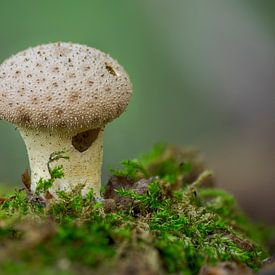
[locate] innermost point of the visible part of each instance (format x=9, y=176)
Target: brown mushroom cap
x=63, y=85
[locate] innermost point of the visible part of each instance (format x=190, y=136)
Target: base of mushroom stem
x=82, y=188
x=82, y=165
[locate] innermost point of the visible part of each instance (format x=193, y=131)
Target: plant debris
x=226, y=268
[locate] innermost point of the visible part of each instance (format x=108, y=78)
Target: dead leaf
x=48, y=195
x=3, y=200
x=26, y=180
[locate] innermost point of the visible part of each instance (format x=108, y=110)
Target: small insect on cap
x=63, y=85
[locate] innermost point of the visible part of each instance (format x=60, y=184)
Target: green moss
x=56, y=173
x=177, y=223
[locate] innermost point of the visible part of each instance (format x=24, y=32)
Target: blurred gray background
x=203, y=75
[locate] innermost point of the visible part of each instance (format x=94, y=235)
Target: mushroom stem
x=84, y=163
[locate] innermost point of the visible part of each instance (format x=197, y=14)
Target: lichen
x=160, y=214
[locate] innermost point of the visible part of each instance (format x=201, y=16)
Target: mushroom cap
x=63, y=85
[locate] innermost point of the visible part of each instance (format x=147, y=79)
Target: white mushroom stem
x=81, y=168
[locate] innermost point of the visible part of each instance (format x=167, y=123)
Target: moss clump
x=160, y=214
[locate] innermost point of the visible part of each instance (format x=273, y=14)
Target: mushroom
x=60, y=96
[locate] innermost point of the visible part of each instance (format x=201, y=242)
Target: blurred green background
x=202, y=71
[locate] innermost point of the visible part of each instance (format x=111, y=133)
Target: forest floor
x=159, y=214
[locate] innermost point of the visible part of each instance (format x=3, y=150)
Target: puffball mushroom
x=60, y=96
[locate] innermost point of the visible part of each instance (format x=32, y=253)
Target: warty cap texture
x=63, y=85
